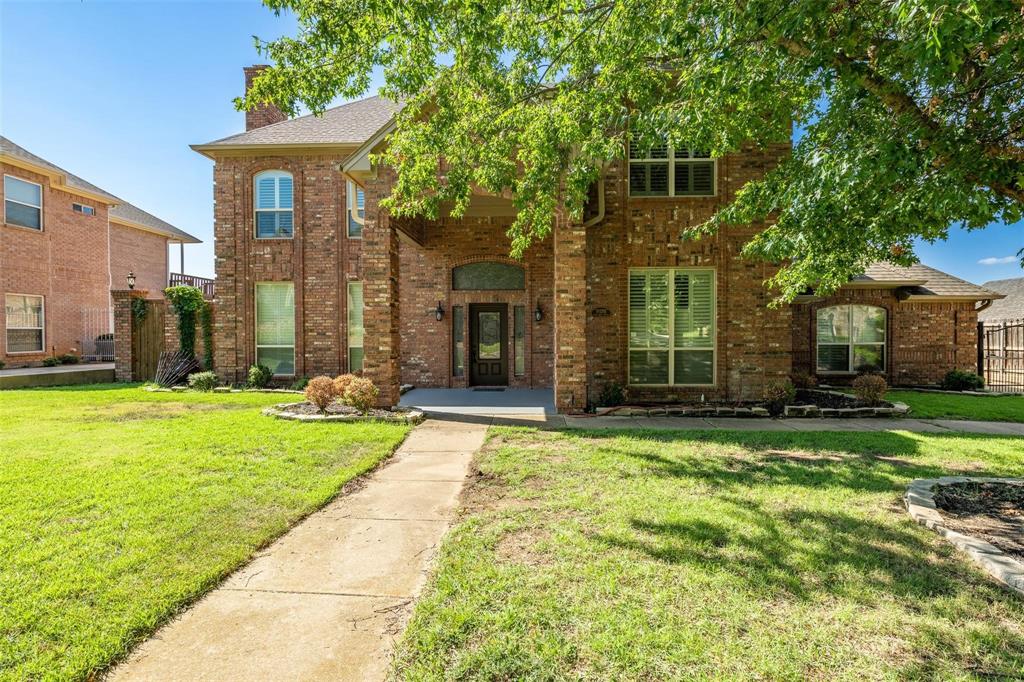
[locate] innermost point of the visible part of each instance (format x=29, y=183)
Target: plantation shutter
x=648, y=327
x=355, y=326
x=694, y=313
x=275, y=326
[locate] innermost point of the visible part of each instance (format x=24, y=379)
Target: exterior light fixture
x=538, y=314
x=131, y=280
x=439, y=312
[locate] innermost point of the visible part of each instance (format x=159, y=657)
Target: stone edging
x=920, y=502
x=280, y=411
x=221, y=389
x=897, y=410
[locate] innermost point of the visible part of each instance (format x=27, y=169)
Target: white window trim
x=851, y=343
x=672, y=161
x=22, y=203
x=277, y=201
x=256, y=325
x=91, y=212
x=42, y=307
x=672, y=348
x=353, y=209
x=348, y=325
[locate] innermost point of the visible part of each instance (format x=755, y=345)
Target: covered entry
x=488, y=344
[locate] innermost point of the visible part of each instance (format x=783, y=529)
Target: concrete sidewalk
x=327, y=600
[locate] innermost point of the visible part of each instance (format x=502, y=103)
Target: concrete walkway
x=327, y=600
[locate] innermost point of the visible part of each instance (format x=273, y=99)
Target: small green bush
x=870, y=388
x=51, y=362
x=777, y=394
x=320, y=392
x=69, y=359
x=299, y=384
x=2, y=364
x=259, y=376
x=361, y=394
x=612, y=395
x=959, y=380
x=202, y=381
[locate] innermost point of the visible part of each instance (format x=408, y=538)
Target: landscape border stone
x=920, y=502
x=398, y=415
x=897, y=410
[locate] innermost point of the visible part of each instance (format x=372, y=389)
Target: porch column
x=570, y=247
x=381, y=330
x=124, y=330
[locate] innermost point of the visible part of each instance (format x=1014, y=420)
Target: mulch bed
x=993, y=512
x=337, y=408
x=832, y=400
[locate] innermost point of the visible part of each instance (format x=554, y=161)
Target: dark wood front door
x=488, y=344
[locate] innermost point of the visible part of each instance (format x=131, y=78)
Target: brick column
x=381, y=337
x=124, y=329
x=570, y=246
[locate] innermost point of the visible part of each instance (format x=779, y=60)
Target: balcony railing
x=205, y=284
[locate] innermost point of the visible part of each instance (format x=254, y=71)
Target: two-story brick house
x=313, y=277
x=64, y=243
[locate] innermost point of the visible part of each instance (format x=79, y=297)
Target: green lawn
x=714, y=555
x=118, y=506
x=1008, y=408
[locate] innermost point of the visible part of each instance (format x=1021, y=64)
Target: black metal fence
x=1001, y=355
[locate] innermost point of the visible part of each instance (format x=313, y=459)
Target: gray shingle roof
x=932, y=282
x=1009, y=308
x=353, y=124
x=120, y=209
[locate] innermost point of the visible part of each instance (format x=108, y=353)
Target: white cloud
x=998, y=261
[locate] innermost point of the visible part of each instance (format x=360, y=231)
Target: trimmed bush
x=612, y=395
x=777, y=394
x=320, y=392
x=202, y=381
x=2, y=364
x=341, y=383
x=51, y=362
x=958, y=380
x=361, y=394
x=870, y=388
x=803, y=380
x=69, y=359
x=259, y=376
x=299, y=384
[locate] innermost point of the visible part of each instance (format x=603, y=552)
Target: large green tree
x=909, y=113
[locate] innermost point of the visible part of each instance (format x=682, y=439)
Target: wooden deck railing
x=203, y=283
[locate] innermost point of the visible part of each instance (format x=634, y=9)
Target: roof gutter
x=58, y=180
x=171, y=236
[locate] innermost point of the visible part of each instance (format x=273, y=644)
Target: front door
x=488, y=344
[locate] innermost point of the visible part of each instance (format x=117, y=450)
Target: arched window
x=273, y=204
x=851, y=338
x=489, y=276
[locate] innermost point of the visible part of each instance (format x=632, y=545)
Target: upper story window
x=667, y=171
x=273, y=192
x=356, y=210
x=83, y=209
x=23, y=203
x=851, y=338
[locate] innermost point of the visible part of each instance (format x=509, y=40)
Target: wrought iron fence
x=1001, y=355
x=97, y=330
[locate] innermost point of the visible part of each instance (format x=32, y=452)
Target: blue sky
x=116, y=91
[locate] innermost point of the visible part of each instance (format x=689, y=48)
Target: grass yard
x=712, y=555
x=1007, y=408
x=118, y=506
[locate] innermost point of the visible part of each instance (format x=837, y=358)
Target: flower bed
x=808, y=403
x=336, y=412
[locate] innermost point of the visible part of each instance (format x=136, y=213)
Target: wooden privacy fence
x=1001, y=355
x=148, y=341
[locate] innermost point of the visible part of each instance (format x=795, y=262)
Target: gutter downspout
x=600, y=204
x=984, y=306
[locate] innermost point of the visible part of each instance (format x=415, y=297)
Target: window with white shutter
x=273, y=205
x=355, y=326
x=275, y=326
x=356, y=210
x=672, y=327
x=667, y=171
x=851, y=338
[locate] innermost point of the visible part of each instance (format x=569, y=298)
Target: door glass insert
x=489, y=338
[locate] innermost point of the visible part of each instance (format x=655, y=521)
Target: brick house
x=64, y=243
x=313, y=278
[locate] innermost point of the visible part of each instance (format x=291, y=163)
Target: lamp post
x=131, y=279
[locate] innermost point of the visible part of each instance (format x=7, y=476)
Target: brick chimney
x=264, y=114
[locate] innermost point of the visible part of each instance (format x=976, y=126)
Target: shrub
x=611, y=395
x=69, y=359
x=320, y=392
x=2, y=364
x=299, y=384
x=958, y=380
x=778, y=394
x=803, y=380
x=341, y=383
x=361, y=394
x=259, y=376
x=202, y=381
x=870, y=388
x=51, y=362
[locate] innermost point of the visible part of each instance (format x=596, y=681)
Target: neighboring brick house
x=312, y=277
x=64, y=243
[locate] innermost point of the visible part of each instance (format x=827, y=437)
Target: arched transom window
x=851, y=338
x=273, y=204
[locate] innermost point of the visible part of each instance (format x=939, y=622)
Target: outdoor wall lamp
x=131, y=279
x=538, y=314
x=439, y=312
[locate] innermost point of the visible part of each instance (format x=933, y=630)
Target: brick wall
x=924, y=340
x=143, y=253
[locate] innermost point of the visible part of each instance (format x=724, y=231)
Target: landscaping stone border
x=221, y=389
x=920, y=502
x=897, y=410
x=399, y=416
